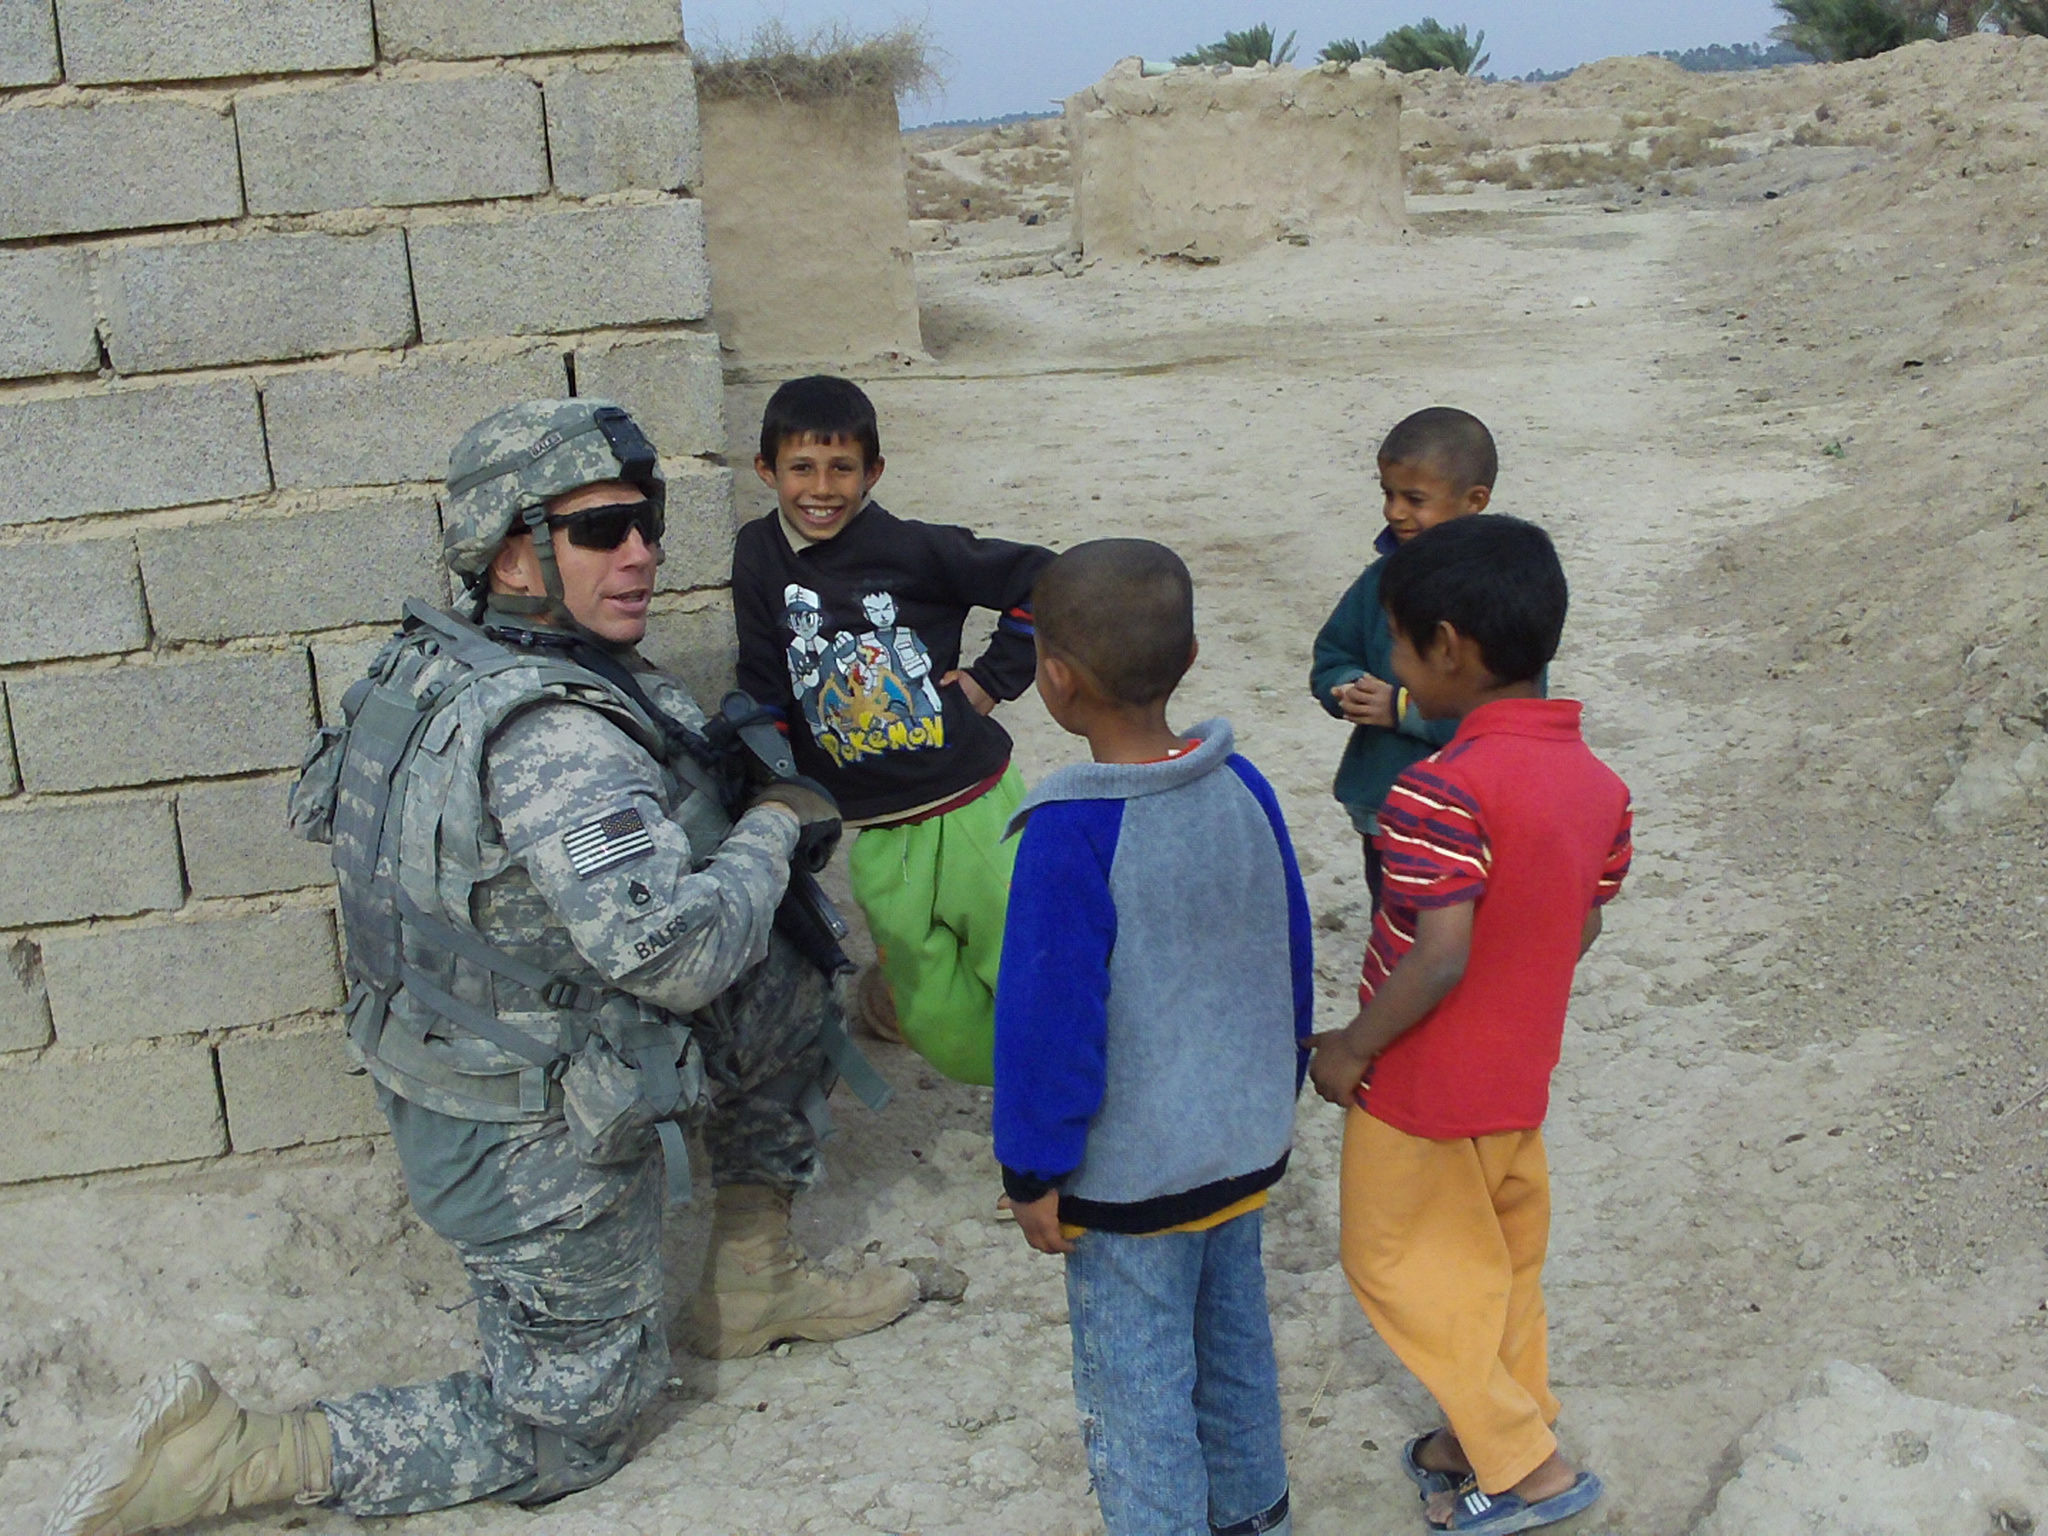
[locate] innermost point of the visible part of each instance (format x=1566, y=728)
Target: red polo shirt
x=1518, y=815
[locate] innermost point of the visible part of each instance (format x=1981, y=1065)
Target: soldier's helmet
x=520, y=457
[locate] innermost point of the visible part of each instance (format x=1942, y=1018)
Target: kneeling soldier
x=561, y=941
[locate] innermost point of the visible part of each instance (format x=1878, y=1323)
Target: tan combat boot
x=757, y=1288
x=189, y=1451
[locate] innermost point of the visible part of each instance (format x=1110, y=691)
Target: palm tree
x=1852, y=29
x=1342, y=50
x=1431, y=45
x=1241, y=50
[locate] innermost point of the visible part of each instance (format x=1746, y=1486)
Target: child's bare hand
x=1367, y=701
x=976, y=694
x=1040, y=1221
x=1336, y=1067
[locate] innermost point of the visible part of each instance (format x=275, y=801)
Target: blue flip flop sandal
x=1428, y=1479
x=1499, y=1514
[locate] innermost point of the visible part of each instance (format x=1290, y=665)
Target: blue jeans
x=1175, y=1380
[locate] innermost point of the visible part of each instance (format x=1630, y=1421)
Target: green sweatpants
x=935, y=894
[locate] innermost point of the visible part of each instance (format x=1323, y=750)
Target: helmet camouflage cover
x=524, y=455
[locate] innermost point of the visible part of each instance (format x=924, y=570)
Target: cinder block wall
x=261, y=261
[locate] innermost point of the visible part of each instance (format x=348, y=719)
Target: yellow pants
x=1443, y=1242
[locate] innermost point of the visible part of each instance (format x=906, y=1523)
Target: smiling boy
x=1437, y=465
x=850, y=623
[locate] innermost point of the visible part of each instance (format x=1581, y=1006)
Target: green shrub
x=2026, y=16
x=1241, y=50
x=1342, y=50
x=1431, y=45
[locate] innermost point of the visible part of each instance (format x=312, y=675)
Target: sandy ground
x=1796, y=1119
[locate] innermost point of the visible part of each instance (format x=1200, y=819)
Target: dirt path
x=1717, y=1210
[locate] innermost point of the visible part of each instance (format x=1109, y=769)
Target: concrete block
x=69, y=1115
x=236, y=842
x=698, y=645
x=132, y=450
x=24, y=1006
x=146, y=724
x=700, y=527
x=479, y=29
x=675, y=389
x=284, y=1090
x=110, y=984
x=28, y=43
x=256, y=300
x=336, y=664
x=633, y=124
x=46, y=312
x=121, y=40
x=79, y=599
x=552, y=272
x=281, y=575
x=126, y=164
x=388, y=425
x=393, y=144
x=105, y=857
x=10, y=770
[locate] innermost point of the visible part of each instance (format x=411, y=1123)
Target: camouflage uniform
x=668, y=915
x=560, y=945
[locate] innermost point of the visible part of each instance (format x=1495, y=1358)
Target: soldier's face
x=606, y=590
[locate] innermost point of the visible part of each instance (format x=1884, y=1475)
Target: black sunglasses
x=607, y=527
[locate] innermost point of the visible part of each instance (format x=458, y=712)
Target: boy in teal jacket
x=1436, y=465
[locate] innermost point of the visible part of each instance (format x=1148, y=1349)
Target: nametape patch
x=607, y=842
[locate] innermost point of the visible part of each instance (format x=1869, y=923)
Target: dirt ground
x=1790, y=430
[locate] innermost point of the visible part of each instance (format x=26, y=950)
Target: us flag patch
x=604, y=844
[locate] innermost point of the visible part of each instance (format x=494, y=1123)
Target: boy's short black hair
x=822, y=407
x=1123, y=610
x=1455, y=443
x=1497, y=579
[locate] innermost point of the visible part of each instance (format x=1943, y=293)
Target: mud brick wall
x=261, y=261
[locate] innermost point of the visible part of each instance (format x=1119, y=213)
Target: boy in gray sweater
x=1157, y=985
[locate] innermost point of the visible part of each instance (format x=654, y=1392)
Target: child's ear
x=765, y=470
x=875, y=471
x=1479, y=498
x=1457, y=651
x=1055, y=679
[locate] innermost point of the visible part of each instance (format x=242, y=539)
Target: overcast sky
x=1019, y=57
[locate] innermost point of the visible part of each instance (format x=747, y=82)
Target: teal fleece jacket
x=1356, y=640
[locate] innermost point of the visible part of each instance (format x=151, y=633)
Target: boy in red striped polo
x=1499, y=851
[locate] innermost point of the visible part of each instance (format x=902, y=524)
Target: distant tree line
x=1812, y=29
x=1728, y=58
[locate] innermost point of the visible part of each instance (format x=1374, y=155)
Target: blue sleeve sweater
x=1157, y=985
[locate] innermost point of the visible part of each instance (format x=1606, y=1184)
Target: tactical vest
x=437, y=1013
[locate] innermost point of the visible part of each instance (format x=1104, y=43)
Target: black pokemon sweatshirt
x=849, y=637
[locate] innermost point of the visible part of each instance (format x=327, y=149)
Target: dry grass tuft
x=820, y=66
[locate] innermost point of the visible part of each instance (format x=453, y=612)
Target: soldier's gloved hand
x=817, y=815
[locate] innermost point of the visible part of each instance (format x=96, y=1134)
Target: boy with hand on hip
x=849, y=624
x=1436, y=465
x=1157, y=986
x=1500, y=852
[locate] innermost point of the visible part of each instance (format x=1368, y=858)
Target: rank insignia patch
x=601, y=845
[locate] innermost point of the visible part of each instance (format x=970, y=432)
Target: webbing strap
x=675, y=1154
x=559, y=992
x=478, y=1022
x=868, y=1085
x=468, y=644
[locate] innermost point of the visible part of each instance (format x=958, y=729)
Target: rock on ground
x=1852, y=1453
